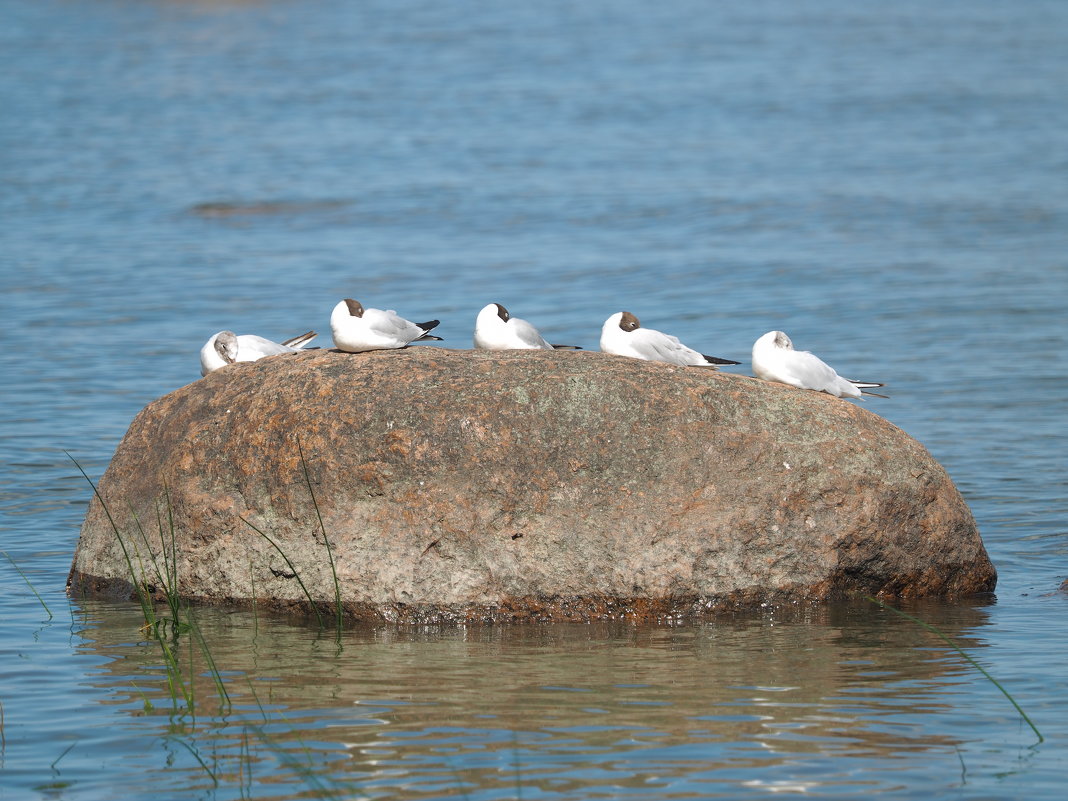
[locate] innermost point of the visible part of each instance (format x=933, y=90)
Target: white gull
x=774, y=359
x=496, y=329
x=623, y=335
x=226, y=347
x=357, y=329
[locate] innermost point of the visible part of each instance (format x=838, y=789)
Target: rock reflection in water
x=844, y=696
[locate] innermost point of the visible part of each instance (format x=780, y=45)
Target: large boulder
x=473, y=485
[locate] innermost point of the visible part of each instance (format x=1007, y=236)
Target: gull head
x=226, y=346
x=783, y=341
x=501, y=312
x=628, y=322
x=354, y=306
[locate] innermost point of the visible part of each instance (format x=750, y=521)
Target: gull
x=357, y=329
x=774, y=359
x=495, y=329
x=623, y=335
x=226, y=347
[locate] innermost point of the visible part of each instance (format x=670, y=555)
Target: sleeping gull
x=226, y=347
x=623, y=335
x=774, y=359
x=357, y=329
x=496, y=329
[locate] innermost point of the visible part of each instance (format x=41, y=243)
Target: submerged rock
x=520, y=485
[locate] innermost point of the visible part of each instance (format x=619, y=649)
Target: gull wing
x=251, y=347
x=528, y=334
x=391, y=325
x=810, y=371
x=662, y=347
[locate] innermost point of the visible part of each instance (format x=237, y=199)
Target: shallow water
x=825, y=699
x=888, y=185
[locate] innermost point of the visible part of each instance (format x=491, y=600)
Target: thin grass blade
x=945, y=638
x=196, y=755
x=296, y=575
x=216, y=676
x=329, y=550
x=29, y=584
x=146, y=603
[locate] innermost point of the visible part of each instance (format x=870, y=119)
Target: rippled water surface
x=887, y=183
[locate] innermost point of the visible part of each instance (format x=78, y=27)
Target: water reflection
x=827, y=695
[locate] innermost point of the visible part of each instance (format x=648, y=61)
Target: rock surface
x=470, y=485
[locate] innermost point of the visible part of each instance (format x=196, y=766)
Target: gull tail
x=717, y=360
x=301, y=341
x=566, y=347
x=429, y=325
x=863, y=385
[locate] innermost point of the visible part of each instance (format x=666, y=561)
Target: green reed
x=196, y=756
x=945, y=638
x=66, y=751
x=329, y=551
x=292, y=567
x=142, y=595
x=29, y=584
x=146, y=567
x=305, y=770
x=175, y=683
x=165, y=572
x=170, y=582
x=213, y=669
x=164, y=581
x=255, y=606
x=167, y=578
x=244, y=767
x=338, y=605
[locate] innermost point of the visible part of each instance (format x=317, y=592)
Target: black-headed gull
x=357, y=329
x=226, y=347
x=774, y=359
x=623, y=335
x=496, y=329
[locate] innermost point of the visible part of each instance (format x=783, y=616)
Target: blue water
x=888, y=183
